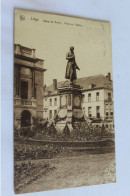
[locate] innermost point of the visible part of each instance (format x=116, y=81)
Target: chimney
x=54, y=84
x=109, y=76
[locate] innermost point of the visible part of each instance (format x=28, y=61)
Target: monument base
x=70, y=112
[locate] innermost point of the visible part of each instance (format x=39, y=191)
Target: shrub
x=51, y=129
x=32, y=152
x=17, y=130
x=66, y=130
x=39, y=123
x=27, y=132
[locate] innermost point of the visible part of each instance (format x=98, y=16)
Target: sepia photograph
x=64, y=133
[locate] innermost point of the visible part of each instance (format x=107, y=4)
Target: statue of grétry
x=71, y=65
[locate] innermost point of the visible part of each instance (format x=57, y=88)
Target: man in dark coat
x=71, y=65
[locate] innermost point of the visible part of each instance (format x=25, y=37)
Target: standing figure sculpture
x=71, y=65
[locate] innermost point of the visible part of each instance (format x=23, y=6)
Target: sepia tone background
x=118, y=13
x=91, y=40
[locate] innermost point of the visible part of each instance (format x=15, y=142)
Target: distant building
x=28, y=85
x=97, y=100
x=98, y=96
x=51, y=101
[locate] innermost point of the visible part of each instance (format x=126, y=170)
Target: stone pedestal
x=70, y=112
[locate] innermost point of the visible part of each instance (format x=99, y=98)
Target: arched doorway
x=25, y=118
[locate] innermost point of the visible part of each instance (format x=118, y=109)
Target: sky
x=52, y=36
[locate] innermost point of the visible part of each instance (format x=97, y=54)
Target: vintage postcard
x=64, y=134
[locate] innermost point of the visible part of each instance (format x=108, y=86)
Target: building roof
x=91, y=82
x=26, y=56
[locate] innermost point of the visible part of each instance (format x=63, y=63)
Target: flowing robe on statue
x=71, y=67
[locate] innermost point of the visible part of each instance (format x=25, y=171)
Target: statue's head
x=71, y=48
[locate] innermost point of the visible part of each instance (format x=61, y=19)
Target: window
x=83, y=97
x=89, y=97
x=109, y=96
x=107, y=113
x=24, y=90
x=91, y=85
x=111, y=113
x=111, y=106
x=97, y=96
x=55, y=101
x=89, y=112
x=50, y=102
x=106, y=106
x=98, y=111
x=98, y=108
x=45, y=112
x=106, y=125
x=55, y=112
x=98, y=115
x=50, y=114
x=45, y=101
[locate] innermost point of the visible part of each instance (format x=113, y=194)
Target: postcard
x=64, y=135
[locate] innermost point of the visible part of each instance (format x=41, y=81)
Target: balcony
x=109, y=118
x=24, y=102
x=109, y=99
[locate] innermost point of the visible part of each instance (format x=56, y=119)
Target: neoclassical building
x=28, y=85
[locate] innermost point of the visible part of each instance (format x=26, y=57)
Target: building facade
x=28, y=85
x=98, y=103
x=97, y=100
x=51, y=101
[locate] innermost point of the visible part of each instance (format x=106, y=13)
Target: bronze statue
x=71, y=65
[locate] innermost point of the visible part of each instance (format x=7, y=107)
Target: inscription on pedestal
x=63, y=100
x=77, y=100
